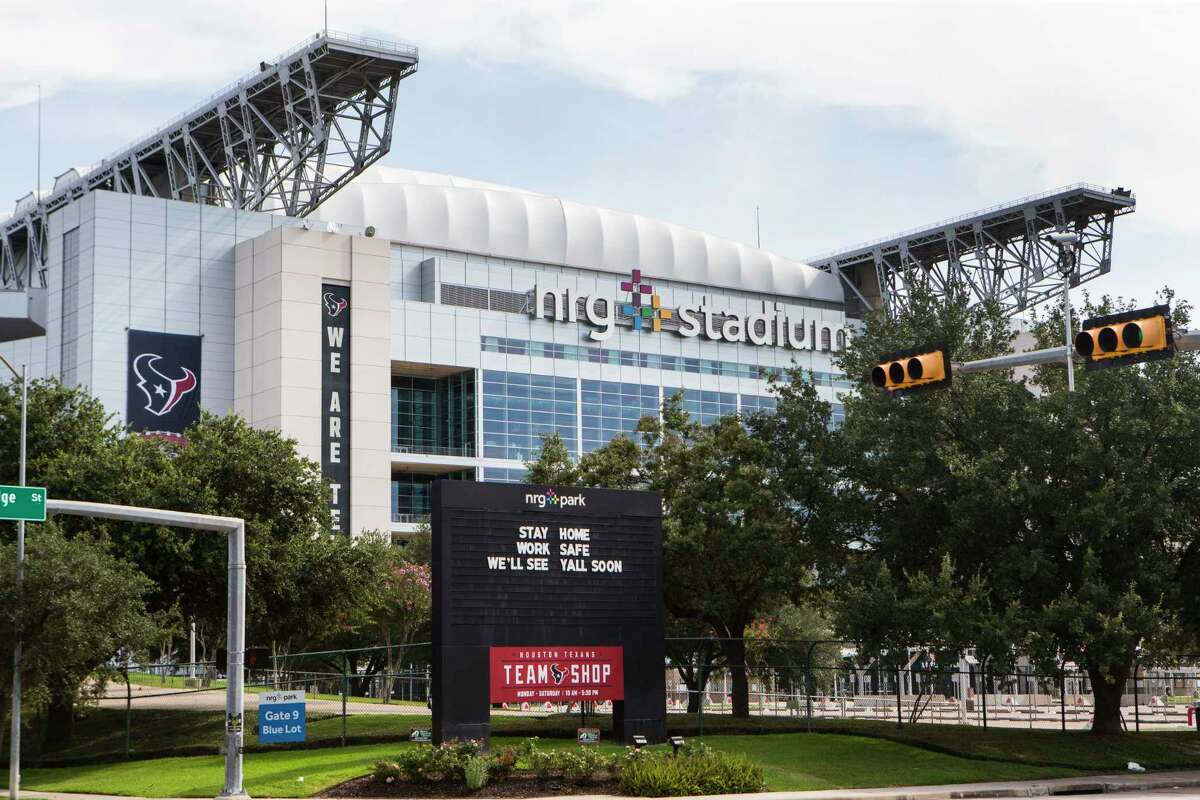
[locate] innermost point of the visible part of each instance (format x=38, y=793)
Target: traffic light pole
x=1067, y=330
x=1189, y=340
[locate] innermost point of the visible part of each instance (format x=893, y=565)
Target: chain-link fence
x=920, y=691
x=178, y=708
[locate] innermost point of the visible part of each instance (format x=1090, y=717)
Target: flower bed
x=528, y=770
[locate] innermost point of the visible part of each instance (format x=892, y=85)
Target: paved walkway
x=1148, y=786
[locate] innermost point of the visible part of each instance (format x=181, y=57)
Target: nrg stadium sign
x=645, y=313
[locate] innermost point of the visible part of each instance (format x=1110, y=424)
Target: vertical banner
x=162, y=383
x=335, y=401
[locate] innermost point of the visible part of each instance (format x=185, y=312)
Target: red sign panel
x=557, y=674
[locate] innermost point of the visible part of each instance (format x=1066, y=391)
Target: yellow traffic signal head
x=914, y=370
x=1117, y=340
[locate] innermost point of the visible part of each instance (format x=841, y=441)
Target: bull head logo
x=162, y=393
x=333, y=306
x=558, y=673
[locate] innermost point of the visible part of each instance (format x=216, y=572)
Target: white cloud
x=1101, y=92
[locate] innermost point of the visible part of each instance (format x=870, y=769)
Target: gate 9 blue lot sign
x=281, y=717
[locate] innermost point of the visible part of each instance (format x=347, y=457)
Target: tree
x=1011, y=516
x=402, y=607
x=734, y=548
x=78, y=607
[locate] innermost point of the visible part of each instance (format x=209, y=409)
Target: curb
x=1057, y=787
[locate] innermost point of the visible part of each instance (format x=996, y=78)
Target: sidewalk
x=1096, y=784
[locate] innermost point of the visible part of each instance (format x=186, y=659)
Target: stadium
x=252, y=256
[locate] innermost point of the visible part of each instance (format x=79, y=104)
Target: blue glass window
x=611, y=409
x=518, y=408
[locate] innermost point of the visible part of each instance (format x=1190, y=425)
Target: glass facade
x=630, y=358
x=750, y=403
x=434, y=415
x=611, y=408
x=707, y=407
x=504, y=475
x=70, y=307
x=411, y=491
x=518, y=408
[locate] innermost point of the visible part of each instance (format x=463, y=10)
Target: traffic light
x=916, y=370
x=254, y=658
x=1131, y=337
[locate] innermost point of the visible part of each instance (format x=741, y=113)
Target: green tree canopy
x=78, y=605
x=1008, y=515
x=735, y=547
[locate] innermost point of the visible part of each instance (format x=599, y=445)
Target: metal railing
x=409, y=519
x=463, y=451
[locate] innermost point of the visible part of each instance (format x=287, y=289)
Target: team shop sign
x=556, y=674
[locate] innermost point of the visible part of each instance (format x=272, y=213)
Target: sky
x=841, y=122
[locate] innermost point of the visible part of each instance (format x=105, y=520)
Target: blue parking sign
x=281, y=717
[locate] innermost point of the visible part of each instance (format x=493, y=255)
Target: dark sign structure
x=546, y=594
x=335, y=401
x=162, y=383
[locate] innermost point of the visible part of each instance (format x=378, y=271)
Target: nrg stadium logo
x=552, y=498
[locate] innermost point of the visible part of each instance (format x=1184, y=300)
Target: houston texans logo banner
x=335, y=402
x=163, y=383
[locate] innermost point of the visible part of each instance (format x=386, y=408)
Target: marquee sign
x=645, y=312
x=546, y=594
x=335, y=401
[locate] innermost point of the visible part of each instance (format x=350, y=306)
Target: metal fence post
x=1062, y=696
x=808, y=686
x=345, y=691
x=1137, y=714
x=983, y=695
x=899, y=713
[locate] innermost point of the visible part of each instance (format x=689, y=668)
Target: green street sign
x=23, y=502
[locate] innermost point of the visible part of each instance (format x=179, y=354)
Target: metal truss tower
x=283, y=138
x=995, y=254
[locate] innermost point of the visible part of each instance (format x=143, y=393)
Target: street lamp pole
x=14, y=753
x=1066, y=242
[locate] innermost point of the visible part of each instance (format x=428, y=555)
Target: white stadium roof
x=448, y=213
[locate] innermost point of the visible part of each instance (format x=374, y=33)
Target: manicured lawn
x=163, y=681
x=274, y=774
x=790, y=761
x=799, y=762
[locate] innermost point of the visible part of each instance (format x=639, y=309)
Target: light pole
x=14, y=752
x=1066, y=242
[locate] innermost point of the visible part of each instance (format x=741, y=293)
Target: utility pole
x=757, y=228
x=14, y=751
x=192, y=650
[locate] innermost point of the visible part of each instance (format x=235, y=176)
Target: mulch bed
x=515, y=786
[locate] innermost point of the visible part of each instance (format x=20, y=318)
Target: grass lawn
x=799, y=762
x=163, y=681
x=791, y=761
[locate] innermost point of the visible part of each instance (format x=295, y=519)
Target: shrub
x=475, y=772
x=697, y=770
x=425, y=763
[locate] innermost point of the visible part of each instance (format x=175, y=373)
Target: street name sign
x=23, y=503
